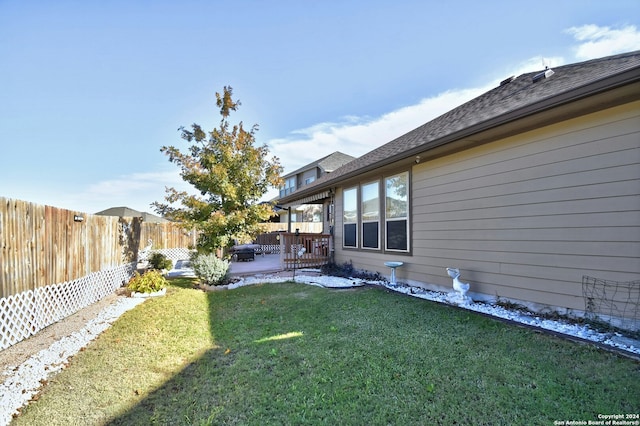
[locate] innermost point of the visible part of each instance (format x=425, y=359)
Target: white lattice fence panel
x=175, y=254
x=26, y=313
x=270, y=248
x=16, y=313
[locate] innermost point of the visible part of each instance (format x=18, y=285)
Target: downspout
x=289, y=219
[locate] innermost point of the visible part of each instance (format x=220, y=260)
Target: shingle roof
x=334, y=161
x=120, y=211
x=328, y=164
x=129, y=212
x=516, y=99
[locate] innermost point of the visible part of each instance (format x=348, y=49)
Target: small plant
x=210, y=269
x=159, y=261
x=510, y=305
x=149, y=282
x=346, y=270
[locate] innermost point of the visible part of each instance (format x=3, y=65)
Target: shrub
x=159, y=261
x=149, y=282
x=345, y=270
x=210, y=269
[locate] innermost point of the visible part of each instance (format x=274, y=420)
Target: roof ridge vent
x=507, y=80
x=548, y=72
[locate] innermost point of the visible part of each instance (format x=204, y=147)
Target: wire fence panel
x=612, y=303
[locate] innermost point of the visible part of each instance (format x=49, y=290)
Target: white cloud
x=136, y=190
x=596, y=41
x=536, y=63
x=359, y=135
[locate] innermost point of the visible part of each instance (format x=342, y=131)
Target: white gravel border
x=25, y=380
x=581, y=331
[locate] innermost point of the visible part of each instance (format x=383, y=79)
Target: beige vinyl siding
x=526, y=217
x=309, y=174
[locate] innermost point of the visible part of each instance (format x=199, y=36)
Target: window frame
x=386, y=223
x=406, y=217
x=363, y=221
x=344, y=217
x=289, y=186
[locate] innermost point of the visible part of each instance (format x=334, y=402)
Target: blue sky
x=91, y=90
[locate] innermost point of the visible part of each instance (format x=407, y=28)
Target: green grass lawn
x=296, y=354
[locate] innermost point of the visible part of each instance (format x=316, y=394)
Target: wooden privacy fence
x=55, y=261
x=304, y=250
x=42, y=245
x=166, y=235
x=269, y=243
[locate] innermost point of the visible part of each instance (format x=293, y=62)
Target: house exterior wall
x=524, y=218
x=308, y=174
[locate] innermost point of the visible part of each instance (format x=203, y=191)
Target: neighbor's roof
x=328, y=164
x=120, y=212
x=128, y=212
x=514, y=99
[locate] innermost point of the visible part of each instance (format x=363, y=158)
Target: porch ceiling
x=308, y=200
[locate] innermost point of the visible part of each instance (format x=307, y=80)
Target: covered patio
x=294, y=251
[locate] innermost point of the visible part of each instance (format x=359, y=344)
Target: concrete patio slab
x=262, y=264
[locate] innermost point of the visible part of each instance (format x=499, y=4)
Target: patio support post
x=296, y=253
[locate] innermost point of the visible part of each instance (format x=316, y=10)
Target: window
x=350, y=217
x=369, y=222
x=397, y=212
x=371, y=215
x=289, y=186
x=308, y=180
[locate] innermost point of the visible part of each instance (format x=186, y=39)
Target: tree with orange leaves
x=229, y=172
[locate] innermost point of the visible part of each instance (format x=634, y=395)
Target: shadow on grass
x=197, y=393
x=180, y=399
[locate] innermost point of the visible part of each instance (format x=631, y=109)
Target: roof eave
x=622, y=79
